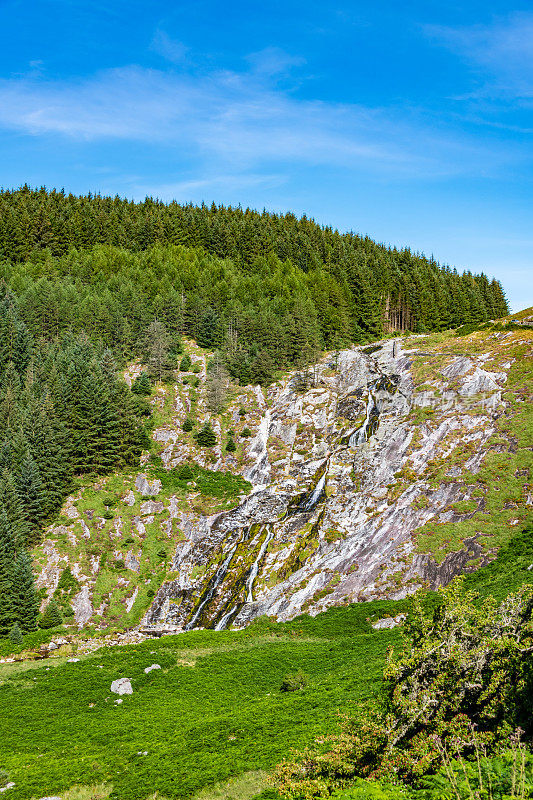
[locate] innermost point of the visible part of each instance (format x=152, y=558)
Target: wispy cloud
x=502, y=52
x=273, y=61
x=237, y=122
x=170, y=49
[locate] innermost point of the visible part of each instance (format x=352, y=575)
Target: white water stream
x=316, y=494
x=360, y=435
x=255, y=566
x=215, y=582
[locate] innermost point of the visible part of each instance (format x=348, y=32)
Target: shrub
x=188, y=425
x=51, y=616
x=206, y=436
x=162, y=553
x=150, y=593
x=246, y=433
x=15, y=635
x=67, y=582
x=506, y=775
x=141, y=385
x=197, y=368
x=294, y=681
x=465, y=676
x=231, y=446
x=120, y=563
x=185, y=363
x=242, y=412
x=108, y=515
x=185, y=473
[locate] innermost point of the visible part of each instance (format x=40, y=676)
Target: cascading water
x=309, y=502
x=255, y=566
x=213, y=585
x=370, y=424
x=222, y=624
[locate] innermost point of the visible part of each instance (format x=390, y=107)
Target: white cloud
x=233, y=122
x=502, y=51
x=273, y=61
x=170, y=49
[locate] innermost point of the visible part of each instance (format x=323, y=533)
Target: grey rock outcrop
x=122, y=686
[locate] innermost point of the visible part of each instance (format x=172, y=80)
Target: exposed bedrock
x=340, y=487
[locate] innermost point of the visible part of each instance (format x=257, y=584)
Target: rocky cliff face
x=373, y=481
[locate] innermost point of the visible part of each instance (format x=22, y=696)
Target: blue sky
x=411, y=122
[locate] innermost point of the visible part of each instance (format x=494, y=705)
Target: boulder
x=147, y=489
x=153, y=666
x=122, y=686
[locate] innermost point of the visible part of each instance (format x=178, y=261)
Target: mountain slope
x=397, y=466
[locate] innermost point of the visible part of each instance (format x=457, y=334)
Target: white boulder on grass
x=122, y=686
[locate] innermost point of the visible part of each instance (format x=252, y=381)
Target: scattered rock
x=153, y=666
x=388, y=622
x=147, y=489
x=122, y=686
x=72, y=660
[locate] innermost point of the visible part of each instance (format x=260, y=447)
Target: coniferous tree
x=15, y=635
x=51, y=616
x=141, y=385
x=24, y=601
x=206, y=436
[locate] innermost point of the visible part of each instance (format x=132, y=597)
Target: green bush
x=51, y=616
x=294, y=681
x=231, y=446
x=464, y=677
x=188, y=425
x=185, y=363
x=185, y=472
x=506, y=776
x=162, y=553
x=197, y=368
x=15, y=635
x=141, y=385
x=67, y=582
x=206, y=436
x=246, y=433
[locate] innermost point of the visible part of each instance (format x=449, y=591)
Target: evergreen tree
x=185, y=363
x=51, y=616
x=156, y=350
x=206, y=436
x=141, y=385
x=24, y=601
x=231, y=446
x=7, y=559
x=15, y=635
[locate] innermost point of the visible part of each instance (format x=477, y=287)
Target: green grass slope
x=213, y=711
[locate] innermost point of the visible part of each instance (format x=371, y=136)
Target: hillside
x=397, y=467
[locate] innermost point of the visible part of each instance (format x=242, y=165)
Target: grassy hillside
x=214, y=710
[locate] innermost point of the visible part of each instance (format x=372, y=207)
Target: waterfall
x=309, y=502
x=363, y=433
x=255, y=566
x=213, y=585
x=223, y=623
